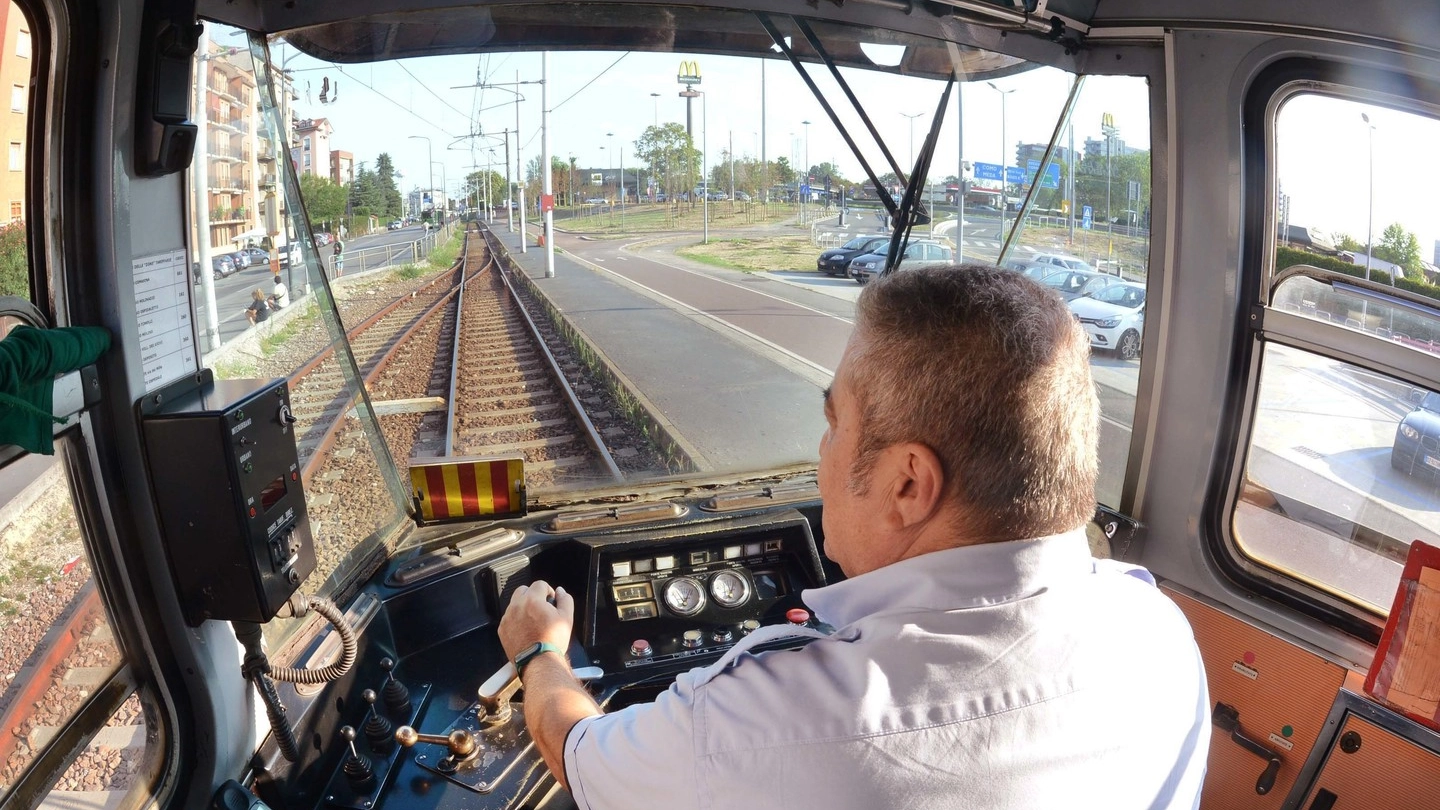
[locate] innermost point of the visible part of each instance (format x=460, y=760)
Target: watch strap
x=530, y=653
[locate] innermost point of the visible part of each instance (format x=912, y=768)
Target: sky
x=380, y=106
x=1323, y=153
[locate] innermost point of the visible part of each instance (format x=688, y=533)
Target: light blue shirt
x=1008, y=675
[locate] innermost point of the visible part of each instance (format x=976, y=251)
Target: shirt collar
x=956, y=578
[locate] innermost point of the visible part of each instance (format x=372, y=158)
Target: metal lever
x=1227, y=718
x=498, y=689
x=460, y=743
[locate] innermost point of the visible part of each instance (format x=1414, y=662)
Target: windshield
x=1124, y=295
x=691, y=321
x=1431, y=402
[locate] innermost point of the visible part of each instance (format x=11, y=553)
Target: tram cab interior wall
x=1193, y=383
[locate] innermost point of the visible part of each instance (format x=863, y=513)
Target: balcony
x=226, y=183
x=229, y=216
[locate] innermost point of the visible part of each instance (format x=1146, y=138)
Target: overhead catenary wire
x=431, y=91
x=418, y=116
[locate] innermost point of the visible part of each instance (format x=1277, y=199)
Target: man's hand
x=531, y=617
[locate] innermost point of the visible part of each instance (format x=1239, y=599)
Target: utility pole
x=960, y=176
x=202, y=194
x=547, y=188
x=764, y=165
x=520, y=172
x=519, y=161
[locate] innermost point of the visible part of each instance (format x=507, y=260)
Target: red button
x=294, y=476
x=640, y=647
x=797, y=615
x=252, y=511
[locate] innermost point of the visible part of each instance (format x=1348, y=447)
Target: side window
x=1342, y=467
x=59, y=650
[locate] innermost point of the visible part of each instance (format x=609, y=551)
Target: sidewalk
x=736, y=409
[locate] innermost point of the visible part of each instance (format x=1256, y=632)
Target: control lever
x=1227, y=718
x=497, y=691
x=460, y=744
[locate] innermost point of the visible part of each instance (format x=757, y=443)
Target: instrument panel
x=656, y=602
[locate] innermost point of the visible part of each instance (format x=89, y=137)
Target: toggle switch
x=692, y=638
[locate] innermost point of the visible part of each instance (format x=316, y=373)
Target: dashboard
x=659, y=598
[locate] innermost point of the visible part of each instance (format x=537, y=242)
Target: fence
x=374, y=258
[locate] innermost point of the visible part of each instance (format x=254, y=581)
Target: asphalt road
x=233, y=293
x=808, y=317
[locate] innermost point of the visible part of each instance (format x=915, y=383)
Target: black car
x=1417, y=439
x=836, y=261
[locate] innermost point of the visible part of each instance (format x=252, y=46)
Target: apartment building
x=15, y=77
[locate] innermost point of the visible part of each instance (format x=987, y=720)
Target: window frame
x=1257, y=323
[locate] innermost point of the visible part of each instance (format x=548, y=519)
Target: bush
x=14, y=260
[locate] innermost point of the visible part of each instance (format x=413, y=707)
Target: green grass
x=234, y=369
x=273, y=341
x=445, y=255
x=408, y=272
x=661, y=218
x=755, y=255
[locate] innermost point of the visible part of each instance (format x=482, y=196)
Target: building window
x=17, y=211
x=17, y=157
x=22, y=44
x=17, y=98
x=307, y=144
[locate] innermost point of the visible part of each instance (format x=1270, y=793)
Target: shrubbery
x=14, y=260
x=1287, y=257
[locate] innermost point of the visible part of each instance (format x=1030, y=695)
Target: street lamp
x=1370, y=227
x=1004, y=161
x=656, y=96
x=912, y=118
x=430, y=156
x=805, y=197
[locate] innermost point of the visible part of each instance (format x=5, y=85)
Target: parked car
x=394, y=225
x=660, y=197
x=1062, y=262
x=221, y=266
x=1072, y=284
x=240, y=259
x=1031, y=270
x=291, y=254
x=1417, y=439
x=1114, y=318
x=257, y=256
x=742, y=196
x=917, y=254
x=836, y=261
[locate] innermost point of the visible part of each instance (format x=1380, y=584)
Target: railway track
x=509, y=392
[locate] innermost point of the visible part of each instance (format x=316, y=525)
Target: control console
x=672, y=602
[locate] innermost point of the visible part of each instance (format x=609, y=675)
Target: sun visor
x=638, y=27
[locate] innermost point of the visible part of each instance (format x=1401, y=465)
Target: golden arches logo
x=689, y=72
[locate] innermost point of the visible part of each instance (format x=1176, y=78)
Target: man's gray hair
x=990, y=371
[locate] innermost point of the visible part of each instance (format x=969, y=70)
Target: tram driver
x=982, y=658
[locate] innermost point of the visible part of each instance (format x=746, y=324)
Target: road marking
x=696, y=310
x=743, y=287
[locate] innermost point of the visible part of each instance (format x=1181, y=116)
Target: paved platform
x=740, y=406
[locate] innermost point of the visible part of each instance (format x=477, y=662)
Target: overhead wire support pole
x=779, y=40
x=547, y=182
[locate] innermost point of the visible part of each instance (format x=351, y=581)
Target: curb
x=655, y=426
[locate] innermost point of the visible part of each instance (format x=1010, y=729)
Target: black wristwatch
x=528, y=654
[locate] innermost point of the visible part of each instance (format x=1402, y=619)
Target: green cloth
x=29, y=360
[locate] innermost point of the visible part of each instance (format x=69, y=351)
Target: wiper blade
x=911, y=211
x=830, y=111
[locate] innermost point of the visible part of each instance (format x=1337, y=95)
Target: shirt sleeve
x=640, y=757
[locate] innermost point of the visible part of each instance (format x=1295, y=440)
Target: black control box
x=226, y=481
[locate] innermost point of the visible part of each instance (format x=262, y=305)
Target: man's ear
x=918, y=483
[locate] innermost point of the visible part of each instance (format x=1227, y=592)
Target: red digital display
x=272, y=493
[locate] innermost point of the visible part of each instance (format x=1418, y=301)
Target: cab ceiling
x=940, y=38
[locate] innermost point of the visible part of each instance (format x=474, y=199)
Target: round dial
x=730, y=589
x=684, y=596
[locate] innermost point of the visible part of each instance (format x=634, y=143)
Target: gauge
x=730, y=589
x=684, y=596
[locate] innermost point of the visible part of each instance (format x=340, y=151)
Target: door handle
x=1227, y=719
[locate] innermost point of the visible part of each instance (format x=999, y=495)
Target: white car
x=1114, y=318
x=1062, y=262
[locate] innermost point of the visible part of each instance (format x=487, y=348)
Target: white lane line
x=743, y=287
x=721, y=321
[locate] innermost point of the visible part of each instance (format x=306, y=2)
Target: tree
x=324, y=199
x=14, y=260
x=366, y=196
x=475, y=187
x=1344, y=241
x=783, y=173
x=669, y=154
x=391, y=204
x=1399, y=246
x=828, y=171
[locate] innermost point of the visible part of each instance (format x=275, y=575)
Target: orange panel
x=1283, y=694
x=1385, y=771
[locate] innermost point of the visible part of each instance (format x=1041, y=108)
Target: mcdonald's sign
x=689, y=73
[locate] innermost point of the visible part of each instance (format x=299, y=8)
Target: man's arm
x=554, y=700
